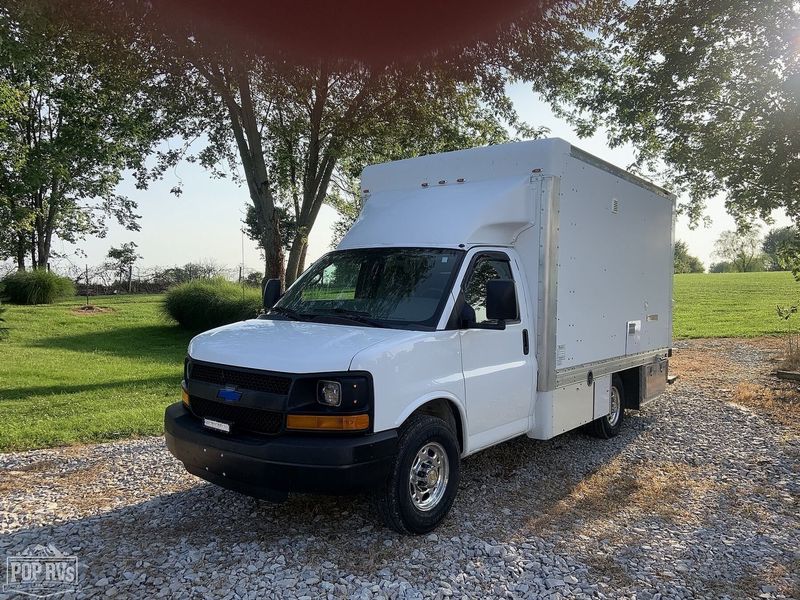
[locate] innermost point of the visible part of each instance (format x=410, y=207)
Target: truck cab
x=461, y=310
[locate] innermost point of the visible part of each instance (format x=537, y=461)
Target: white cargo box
x=595, y=241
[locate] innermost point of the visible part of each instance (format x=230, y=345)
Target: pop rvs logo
x=41, y=571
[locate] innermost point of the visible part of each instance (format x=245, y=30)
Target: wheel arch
x=444, y=406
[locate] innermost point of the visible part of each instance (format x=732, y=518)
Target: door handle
x=526, y=347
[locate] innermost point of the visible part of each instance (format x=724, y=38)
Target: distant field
x=67, y=377
x=733, y=304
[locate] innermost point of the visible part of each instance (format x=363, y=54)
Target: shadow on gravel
x=501, y=488
x=554, y=498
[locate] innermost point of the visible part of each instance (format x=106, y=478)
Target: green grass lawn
x=67, y=378
x=732, y=304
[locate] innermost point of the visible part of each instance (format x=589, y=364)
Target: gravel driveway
x=697, y=498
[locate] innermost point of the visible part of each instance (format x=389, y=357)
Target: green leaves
x=77, y=108
x=685, y=262
x=712, y=89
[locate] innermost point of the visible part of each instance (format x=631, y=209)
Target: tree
x=684, y=262
x=347, y=200
x=741, y=249
x=710, y=88
x=292, y=126
x=722, y=267
x=189, y=272
x=77, y=108
x=122, y=261
x=364, y=116
x=295, y=129
x=779, y=247
x=254, y=279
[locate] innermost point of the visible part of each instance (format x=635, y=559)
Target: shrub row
x=36, y=287
x=204, y=304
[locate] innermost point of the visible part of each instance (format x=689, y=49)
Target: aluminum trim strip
x=599, y=368
x=549, y=199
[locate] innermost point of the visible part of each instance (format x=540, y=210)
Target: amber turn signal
x=328, y=422
x=184, y=397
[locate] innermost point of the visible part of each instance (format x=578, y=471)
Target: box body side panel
x=614, y=268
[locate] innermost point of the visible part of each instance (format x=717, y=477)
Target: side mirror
x=501, y=300
x=271, y=293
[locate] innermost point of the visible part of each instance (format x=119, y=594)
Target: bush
x=36, y=287
x=204, y=304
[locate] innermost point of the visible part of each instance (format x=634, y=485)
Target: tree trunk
x=42, y=236
x=297, y=254
x=45, y=242
x=248, y=140
x=302, y=266
x=20, y=252
x=273, y=249
x=33, y=251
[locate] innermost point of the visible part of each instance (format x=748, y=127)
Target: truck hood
x=288, y=346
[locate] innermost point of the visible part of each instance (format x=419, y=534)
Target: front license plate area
x=217, y=425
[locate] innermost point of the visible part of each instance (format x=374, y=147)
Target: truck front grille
x=242, y=417
x=259, y=382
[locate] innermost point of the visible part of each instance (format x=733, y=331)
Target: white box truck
x=484, y=294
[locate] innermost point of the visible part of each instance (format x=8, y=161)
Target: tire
x=425, y=442
x=610, y=425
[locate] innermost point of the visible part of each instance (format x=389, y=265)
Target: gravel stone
x=696, y=498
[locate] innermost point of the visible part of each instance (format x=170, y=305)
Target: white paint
x=602, y=396
x=288, y=346
x=499, y=378
x=562, y=410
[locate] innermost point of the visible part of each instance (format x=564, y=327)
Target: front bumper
x=271, y=467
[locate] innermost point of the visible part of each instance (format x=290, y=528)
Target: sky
x=204, y=223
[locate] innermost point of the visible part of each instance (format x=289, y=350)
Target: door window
x=484, y=269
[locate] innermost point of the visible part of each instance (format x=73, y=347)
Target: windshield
x=383, y=287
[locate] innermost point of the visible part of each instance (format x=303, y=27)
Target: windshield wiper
x=291, y=313
x=353, y=315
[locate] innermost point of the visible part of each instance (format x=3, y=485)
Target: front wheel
x=610, y=425
x=422, y=486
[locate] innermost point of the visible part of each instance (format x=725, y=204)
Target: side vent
x=614, y=206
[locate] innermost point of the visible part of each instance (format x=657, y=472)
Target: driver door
x=497, y=363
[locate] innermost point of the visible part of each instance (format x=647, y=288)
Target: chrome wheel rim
x=429, y=474
x=616, y=407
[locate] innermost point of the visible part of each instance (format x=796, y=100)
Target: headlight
x=329, y=393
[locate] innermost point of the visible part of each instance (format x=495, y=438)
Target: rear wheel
x=610, y=425
x=422, y=486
